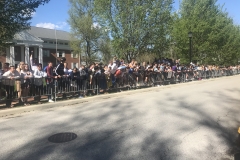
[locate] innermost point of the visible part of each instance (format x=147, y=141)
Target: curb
x=39, y=107
x=238, y=140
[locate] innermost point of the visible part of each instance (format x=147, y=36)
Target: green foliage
x=136, y=26
x=15, y=16
x=87, y=34
x=215, y=37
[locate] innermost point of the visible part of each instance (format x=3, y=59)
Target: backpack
x=82, y=74
x=118, y=73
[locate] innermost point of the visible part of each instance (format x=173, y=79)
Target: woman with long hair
x=18, y=81
x=26, y=75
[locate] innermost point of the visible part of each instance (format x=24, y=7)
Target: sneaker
x=80, y=97
x=50, y=101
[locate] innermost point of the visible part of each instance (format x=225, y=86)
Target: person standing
x=66, y=78
x=39, y=81
x=60, y=67
x=18, y=88
x=26, y=76
x=82, y=82
x=60, y=74
x=9, y=78
x=33, y=63
x=50, y=81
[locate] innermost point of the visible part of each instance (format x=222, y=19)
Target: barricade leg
x=55, y=91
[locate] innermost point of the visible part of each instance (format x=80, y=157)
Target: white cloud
x=46, y=25
x=59, y=25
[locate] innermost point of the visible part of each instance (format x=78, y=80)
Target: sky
x=54, y=15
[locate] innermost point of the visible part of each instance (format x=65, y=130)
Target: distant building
x=45, y=44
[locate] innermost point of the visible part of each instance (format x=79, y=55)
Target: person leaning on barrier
x=1, y=84
x=5, y=69
x=107, y=75
x=50, y=81
x=113, y=71
x=75, y=81
x=18, y=82
x=39, y=81
x=65, y=84
x=26, y=76
x=9, y=78
x=60, y=72
x=82, y=82
x=91, y=74
x=60, y=67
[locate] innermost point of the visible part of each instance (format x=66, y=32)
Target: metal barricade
x=48, y=89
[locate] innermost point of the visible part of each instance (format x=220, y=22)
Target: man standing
x=60, y=74
x=33, y=63
x=113, y=71
x=60, y=68
x=9, y=78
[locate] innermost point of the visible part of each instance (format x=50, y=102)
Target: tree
x=106, y=50
x=214, y=34
x=136, y=26
x=15, y=16
x=87, y=34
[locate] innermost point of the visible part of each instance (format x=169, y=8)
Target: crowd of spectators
x=37, y=80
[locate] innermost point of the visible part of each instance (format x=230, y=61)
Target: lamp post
x=190, y=45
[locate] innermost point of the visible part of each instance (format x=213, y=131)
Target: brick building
x=44, y=44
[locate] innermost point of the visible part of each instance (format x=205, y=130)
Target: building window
x=45, y=41
x=74, y=55
x=46, y=53
x=60, y=54
x=74, y=65
x=66, y=43
x=51, y=42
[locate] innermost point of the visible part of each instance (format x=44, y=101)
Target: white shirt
x=113, y=68
x=7, y=75
x=38, y=77
x=25, y=74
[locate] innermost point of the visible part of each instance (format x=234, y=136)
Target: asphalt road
x=193, y=121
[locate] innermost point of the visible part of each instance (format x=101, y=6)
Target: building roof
x=46, y=33
x=25, y=36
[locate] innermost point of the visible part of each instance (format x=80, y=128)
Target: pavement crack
x=195, y=130
x=219, y=117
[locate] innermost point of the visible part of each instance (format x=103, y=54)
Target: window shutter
x=57, y=54
x=63, y=54
x=71, y=55
x=71, y=65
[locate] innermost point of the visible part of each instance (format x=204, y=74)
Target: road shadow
x=118, y=129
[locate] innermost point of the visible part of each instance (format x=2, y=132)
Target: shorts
x=18, y=86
